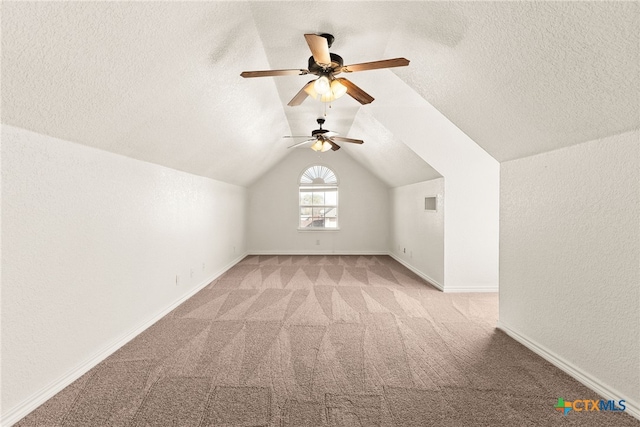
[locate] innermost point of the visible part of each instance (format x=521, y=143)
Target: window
x=318, y=199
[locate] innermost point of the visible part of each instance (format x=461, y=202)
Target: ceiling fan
x=323, y=139
x=326, y=66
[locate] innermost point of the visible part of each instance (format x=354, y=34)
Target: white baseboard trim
x=29, y=404
x=609, y=393
x=479, y=289
x=439, y=285
x=289, y=252
x=424, y=276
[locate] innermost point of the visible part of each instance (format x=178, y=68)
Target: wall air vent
x=431, y=203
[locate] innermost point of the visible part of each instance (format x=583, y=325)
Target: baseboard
x=288, y=252
x=32, y=402
x=424, y=276
x=607, y=392
x=439, y=285
x=480, y=289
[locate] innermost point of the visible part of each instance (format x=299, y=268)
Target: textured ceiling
x=527, y=77
x=154, y=81
x=159, y=81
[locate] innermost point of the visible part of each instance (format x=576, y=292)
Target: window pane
x=318, y=198
x=331, y=198
x=331, y=222
x=305, y=217
x=317, y=222
x=331, y=213
x=306, y=198
x=319, y=175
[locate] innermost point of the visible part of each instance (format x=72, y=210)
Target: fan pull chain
x=325, y=108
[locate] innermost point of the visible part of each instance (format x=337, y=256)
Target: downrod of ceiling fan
x=329, y=37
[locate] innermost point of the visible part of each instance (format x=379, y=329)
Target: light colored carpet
x=323, y=341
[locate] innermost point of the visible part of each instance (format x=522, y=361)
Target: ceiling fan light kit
x=321, y=145
x=330, y=91
x=324, y=140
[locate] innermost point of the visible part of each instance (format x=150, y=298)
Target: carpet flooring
x=323, y=341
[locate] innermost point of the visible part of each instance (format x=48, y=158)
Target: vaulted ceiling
x=160, y=81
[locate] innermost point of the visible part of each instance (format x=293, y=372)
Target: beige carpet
x=323, y=341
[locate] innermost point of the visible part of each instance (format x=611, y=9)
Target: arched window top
x=318, y=175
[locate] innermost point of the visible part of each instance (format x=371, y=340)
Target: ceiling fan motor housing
x=336, y=64
x=320, y=131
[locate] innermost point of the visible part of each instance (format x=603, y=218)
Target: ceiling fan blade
x=385, y=63
x=274, y=73
x=343, y=139
x=300, y=96
x=355, y=92
x=296, y=136
x=334, y=146
x=301, y=143
x=319, y=49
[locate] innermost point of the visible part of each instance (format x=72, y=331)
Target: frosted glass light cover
x=317, y=146
x=322, y=85
x=335, y=90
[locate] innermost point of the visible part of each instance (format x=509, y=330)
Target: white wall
x=472, y=183
x=92, y=243
x=417, y=236
x=363, y=209
x=570, y=260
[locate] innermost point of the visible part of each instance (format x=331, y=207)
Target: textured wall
x=417, y=236
x=363, y=210
x=570, y=256
x=472, y=186
x=92, y=244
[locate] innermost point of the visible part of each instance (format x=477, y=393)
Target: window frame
x=309, y=187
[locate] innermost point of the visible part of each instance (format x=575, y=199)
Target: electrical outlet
x=177, y=280
x=404, y=250
x=192, y=273
x=318, y=242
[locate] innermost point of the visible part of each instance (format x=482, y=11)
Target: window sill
x=306, y=230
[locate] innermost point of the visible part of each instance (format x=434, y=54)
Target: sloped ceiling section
x=522, y=78
x=159, y=81
x=387, y=157
x=156, y=81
